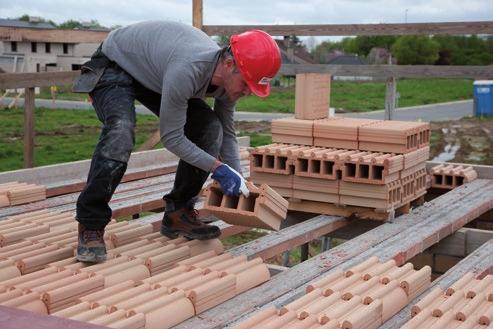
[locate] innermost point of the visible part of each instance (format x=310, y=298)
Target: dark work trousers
x=113, y=100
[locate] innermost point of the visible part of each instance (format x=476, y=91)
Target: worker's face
x=234, y=84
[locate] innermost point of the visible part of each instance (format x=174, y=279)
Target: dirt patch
x=261, y=127
x=467, y=140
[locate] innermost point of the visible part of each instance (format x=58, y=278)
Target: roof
x=301, y=55
x=347, y=60
x=19, y=23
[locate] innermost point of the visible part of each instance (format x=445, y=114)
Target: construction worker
x=169, y=67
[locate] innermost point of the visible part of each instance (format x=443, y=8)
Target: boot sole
x=90, y=259
x=173, y=234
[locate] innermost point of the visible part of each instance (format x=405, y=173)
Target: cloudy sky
x=231, y=12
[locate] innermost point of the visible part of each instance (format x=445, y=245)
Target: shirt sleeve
x=230, y=153
x=179, y=85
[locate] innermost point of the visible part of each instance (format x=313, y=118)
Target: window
x=13, y=46
x=65, y=48
x=47, y=47
x=34, y=47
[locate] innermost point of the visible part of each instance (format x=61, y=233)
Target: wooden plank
x=28, y=127
x=276, y=242
x=151, y=142
x=24, y=34
x=479, y=262
x=44, y=79
x=451, y=28
x=37, y=79
x=388, y=71
x=397, y=240
x=197, y=14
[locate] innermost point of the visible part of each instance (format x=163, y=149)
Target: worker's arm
x=229, y=150
x=179, y=85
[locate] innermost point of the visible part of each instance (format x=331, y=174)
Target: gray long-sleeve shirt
x=177, y=61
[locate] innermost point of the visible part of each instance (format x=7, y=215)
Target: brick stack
x=448, y=177
x=353, y=162
x=341, y=176
x=264, y=208
x=468, y=303
x=148, y=281
x=364, y=296
x=15, y=193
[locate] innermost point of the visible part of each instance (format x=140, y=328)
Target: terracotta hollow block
x=327, y=280
x=368, y=316
x=9, y=272
x=479, y=286
x=393, y=302
x=302, y=301
x=73, y=310
x=318, y=305
x=359, y=288
x=362, y=266
x=396, y=273
x=136, y=321
x=90, y=314
x=107, y=292
x=426, y=301
x=378, y=291
x=339, y=310
x=212, y=293
x=32, y=284
x=471, y=307
x=108, y=318
x=449, y=303
x=312, y=96
x=139, y=299
x=341, y=285
x=414, y=281
x=120, y=296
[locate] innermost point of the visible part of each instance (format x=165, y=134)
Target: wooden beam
x=452, y=28
x=400, y=240
x=197, y=14
x=38, y=79
x=23, y=34
x=276, y=242
x=390, y=96
x=392, y=71
x=28, y=127
x=479, y=262
x=151, y=142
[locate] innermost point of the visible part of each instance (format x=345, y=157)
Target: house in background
x=39, y=52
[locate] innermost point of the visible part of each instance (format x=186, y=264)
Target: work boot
x=91, y=247
x=185, y=221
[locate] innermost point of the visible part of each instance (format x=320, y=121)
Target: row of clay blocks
x=15, y=193
x=468, y=303
x=363, y=297
x=448, y=177
x=355, y=134
x=264, y=208
x=341, y=176
x=148, y=281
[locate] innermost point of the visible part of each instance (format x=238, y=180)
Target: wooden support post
x=390, y=98
x=285, y=258
x=326, y=243
x=28, y=127
x=197, y=19
x=304, y=252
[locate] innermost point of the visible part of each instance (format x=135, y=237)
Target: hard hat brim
x=258, y=89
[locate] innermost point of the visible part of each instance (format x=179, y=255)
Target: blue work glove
x=230, y=180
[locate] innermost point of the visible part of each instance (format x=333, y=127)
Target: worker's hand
x=230, y=180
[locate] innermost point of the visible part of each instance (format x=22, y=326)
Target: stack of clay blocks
x=15, y=193
x=341, y=176
x=356, y=134
x=362, y=297
x=312, y=96
x=148, y=281
x=448, y=177
x=468, y=303
x=263, y=208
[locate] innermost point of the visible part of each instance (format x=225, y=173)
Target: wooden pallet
x=325, y=208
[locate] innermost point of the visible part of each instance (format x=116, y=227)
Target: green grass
x=367, y=96
x=60, y=136
x=347, y=95
x=257, y=139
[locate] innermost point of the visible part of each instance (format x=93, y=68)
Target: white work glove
x=230, y=180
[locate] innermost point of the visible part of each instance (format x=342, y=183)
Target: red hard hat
x=258, y=57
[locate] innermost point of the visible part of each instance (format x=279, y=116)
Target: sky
x=251, y=12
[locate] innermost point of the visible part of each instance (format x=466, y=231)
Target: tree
x=222, y=40
x=412, y=50
x=362, y=45
x=321, y=52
